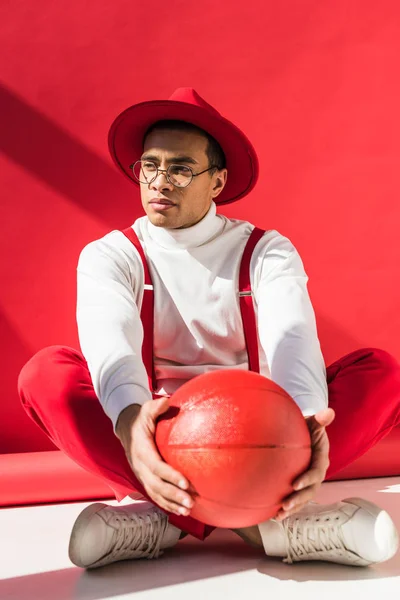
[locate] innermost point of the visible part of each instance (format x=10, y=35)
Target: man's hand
x=310, y=481
x=135, y=429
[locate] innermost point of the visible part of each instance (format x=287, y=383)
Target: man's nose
x=161, y=182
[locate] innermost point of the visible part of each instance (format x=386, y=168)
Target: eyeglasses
x=146, y=171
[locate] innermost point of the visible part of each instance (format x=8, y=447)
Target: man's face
x=191, y=203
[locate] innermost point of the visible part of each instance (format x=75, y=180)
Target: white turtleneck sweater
x=197, y=321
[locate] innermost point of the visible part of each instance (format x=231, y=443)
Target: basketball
x=240, y=440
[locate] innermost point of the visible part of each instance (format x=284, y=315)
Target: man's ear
x=220, y=182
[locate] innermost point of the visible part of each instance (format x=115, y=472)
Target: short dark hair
x=214, y=152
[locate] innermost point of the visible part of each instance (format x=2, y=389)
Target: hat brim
x=125, y=141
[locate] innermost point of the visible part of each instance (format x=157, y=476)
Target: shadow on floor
x=222, y=554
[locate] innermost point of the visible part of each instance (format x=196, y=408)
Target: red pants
x=56, y=391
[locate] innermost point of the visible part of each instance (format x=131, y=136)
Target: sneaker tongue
x=171, y=536
x=273, y=538
x=311, y=534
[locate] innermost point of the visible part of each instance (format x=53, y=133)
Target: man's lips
x=161, y=201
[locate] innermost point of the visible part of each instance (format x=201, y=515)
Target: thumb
x=325, y=417
x=158, y=407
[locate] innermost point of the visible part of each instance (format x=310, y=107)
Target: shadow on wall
x=51, y=154
x=17, y=432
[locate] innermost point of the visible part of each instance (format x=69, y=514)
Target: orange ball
x=240, y=439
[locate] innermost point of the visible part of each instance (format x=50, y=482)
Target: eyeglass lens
x=146, y=172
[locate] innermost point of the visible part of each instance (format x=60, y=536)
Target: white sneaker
x=351, y=532
x=104, y=534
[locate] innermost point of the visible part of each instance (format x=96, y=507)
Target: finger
x=166, y=496
x=169, y=490
x=165, y=489
x=294, y=500
x=318, y=466
x=155, y=408
x=310, y=477
x=150, y=458
x=170, y=507
x=324, y=417
x=170, y=493
x=283, y=513
x=164, y=471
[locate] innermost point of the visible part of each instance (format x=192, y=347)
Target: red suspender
x=246, y=301
x=146, y=313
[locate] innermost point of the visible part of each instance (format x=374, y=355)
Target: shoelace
x=139, y=533
x=326, y=536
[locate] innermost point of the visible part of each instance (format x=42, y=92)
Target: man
x=186, y=158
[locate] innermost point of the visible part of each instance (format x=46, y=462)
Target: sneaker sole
x=386, y=535
x=78, y=530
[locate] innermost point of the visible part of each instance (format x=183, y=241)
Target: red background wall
x=316, y=87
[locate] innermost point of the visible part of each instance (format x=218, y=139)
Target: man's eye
x=149, y=166
x=180, y=169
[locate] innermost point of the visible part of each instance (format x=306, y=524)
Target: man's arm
x=109, y=327
x=111, y=336
x=288, y=335
x=286, y=323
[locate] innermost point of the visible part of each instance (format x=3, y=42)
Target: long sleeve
x=287, y=325
x=109, y=327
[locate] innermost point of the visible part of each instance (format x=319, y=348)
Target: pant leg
x=364, y=391
x=56, y=391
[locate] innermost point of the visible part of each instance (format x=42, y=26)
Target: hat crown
x=125, y=138
x=190, y=96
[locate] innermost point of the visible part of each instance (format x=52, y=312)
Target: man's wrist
x=127, y=416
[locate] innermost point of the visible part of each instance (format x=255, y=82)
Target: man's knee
x=44, y=370
x=384, y=360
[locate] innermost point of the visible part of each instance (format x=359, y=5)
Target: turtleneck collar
x=190, y=237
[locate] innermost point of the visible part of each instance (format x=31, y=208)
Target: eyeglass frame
x=132, y=166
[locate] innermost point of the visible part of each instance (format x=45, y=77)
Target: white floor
x=34, y=564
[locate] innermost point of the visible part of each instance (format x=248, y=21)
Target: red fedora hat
x=125, y=138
